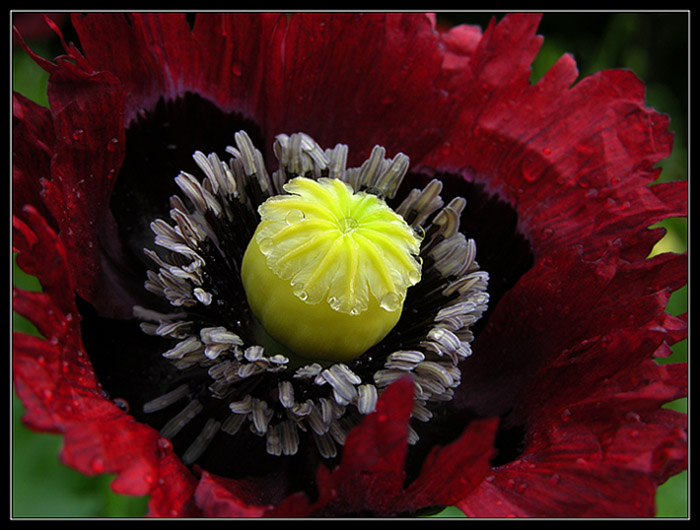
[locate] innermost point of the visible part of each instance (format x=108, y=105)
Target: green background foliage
x=653, y=45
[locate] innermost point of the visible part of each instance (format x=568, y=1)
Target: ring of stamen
x=197, y=265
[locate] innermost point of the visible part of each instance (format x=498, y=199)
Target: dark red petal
x=592, y=408
x=450, y=473
x=87, y=115
x=371, y=473
x=247, y=45
x=86, y=151
x=460, y=44
x=221, y=497
x=623, y=305
x=139, y=64
x=174, y=494
x=31, y=26
x=577, y=483
x=32, y=145
x=587, y=320
x=56, y=383
x=43, y=255
x=156, y=55
x=361, y=79
x=299, y=505
x=576, y=469
x=575, y=161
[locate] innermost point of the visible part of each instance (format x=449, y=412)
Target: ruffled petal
x=591, y=403
x=32, y=146
x=54, y=378
x=574, y=161
x=576, y=469
x=450, y=473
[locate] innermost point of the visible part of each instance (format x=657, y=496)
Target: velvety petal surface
x=54, y=378
x=565, y=365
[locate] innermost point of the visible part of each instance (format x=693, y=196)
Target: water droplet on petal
x=122, y=404
x=237, y=68
x=388, y=99
x=78, y=135
x=165, y=446
x=294, y=216
x=414, y=277
x=390, y=302
x=300, y=292
x=266, y=245
x=419, y=232
x=530, y=169
x=113, y=144
x=547, y=233
x=373, y=190
x=334, y=303
x=97, y=464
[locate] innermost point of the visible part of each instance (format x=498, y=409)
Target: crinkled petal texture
x=566, y=356
x=569, y=348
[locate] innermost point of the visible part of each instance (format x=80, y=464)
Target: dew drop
x=388, y=99
x=633, y=417
x=390, y=302
x=113, y=144
x=334, y=303
x=373, y=190
x=97, y=464
x=547, y=233
x=165, y=446
x=122, y=404
x=78, y=135
x=237, y=68
x=300, y=292
x=419, y=232
x=294, y=216
x=266, y=245
x=530, y=170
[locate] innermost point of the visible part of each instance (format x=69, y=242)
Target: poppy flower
x=516, y=372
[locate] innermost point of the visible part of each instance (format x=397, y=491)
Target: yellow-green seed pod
x=327, y=270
